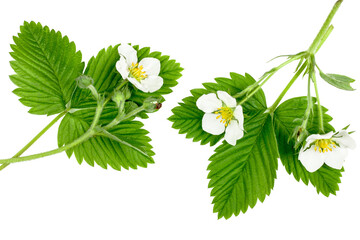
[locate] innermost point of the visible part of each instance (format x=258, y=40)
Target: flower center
x=137, y=72
x=324, y=145
x=226, y=115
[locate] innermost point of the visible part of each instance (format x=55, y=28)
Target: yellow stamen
x=324, y=145
x=137, y=72
x=226, y=115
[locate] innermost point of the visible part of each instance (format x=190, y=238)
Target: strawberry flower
x=143, y=75
x=328, y=148
x=222, y=115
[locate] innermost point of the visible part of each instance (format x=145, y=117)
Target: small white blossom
x=143, y=75
x=328, y=148
x=222, y=114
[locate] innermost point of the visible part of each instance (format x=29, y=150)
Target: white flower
x=222, y=114
x=328, y=148
x=143, y=75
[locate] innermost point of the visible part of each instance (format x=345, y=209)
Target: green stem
x=90, y=133
x=309, y=105
x=282, y=94
x=324, y=28
x=81, y=139
x=321, y=121
x=326, y=35
x=263, y=80
x=117, y=120
x=27, y=146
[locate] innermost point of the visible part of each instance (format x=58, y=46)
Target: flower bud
x=118, y=97
x=299, y=135
x=84, y=81
x=152, y=104
x=127, y=93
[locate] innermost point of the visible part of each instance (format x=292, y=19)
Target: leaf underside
x=326, y=180
x=46, y=65
x=339, y=81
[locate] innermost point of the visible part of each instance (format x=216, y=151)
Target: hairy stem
x=27, y=146
x=309, y=105
x=321, y=121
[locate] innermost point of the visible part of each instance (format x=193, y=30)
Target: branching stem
x=27, y=146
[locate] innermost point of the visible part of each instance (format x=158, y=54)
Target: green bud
x=299, y=135
x=127, y=93
x=118, y=97
x=84, y=81
x=152, y=104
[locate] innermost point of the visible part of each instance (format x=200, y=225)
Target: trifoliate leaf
x=326, y=179
x=242, y=174
x=46, y=65
x=188, y=118
x=339, y=81
x=126, y=145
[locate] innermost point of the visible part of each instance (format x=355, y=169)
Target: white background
x=55, y=198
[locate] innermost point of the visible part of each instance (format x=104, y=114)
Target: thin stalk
x=321, y=121
x=27, y=146
x=309, y=105
x=263, y=80
x=90, y=133
x=81, y=139
x=116, y=121
x=282, y=94
x=324, y=28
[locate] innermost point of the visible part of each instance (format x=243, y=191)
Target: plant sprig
x=98, y=105
x=243, y=168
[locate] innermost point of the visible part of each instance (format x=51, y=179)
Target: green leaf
x=46, y=65
x=188, y=118
x=246, y=172
x=326, y=179
x=126, y=146
x=339, y=81
x=102, y=69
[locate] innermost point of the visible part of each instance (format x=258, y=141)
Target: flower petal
x=310, y=139
x=151, y=66
x=129, y=53
x=344, y=139
x=208, y=103
x=238, y=114
x=227, y=99
x=336, y=157
x=122, y=68
x=137, y=84
x=152, y=83
x=212, y=125
x=233, y=132
x=310, y=159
